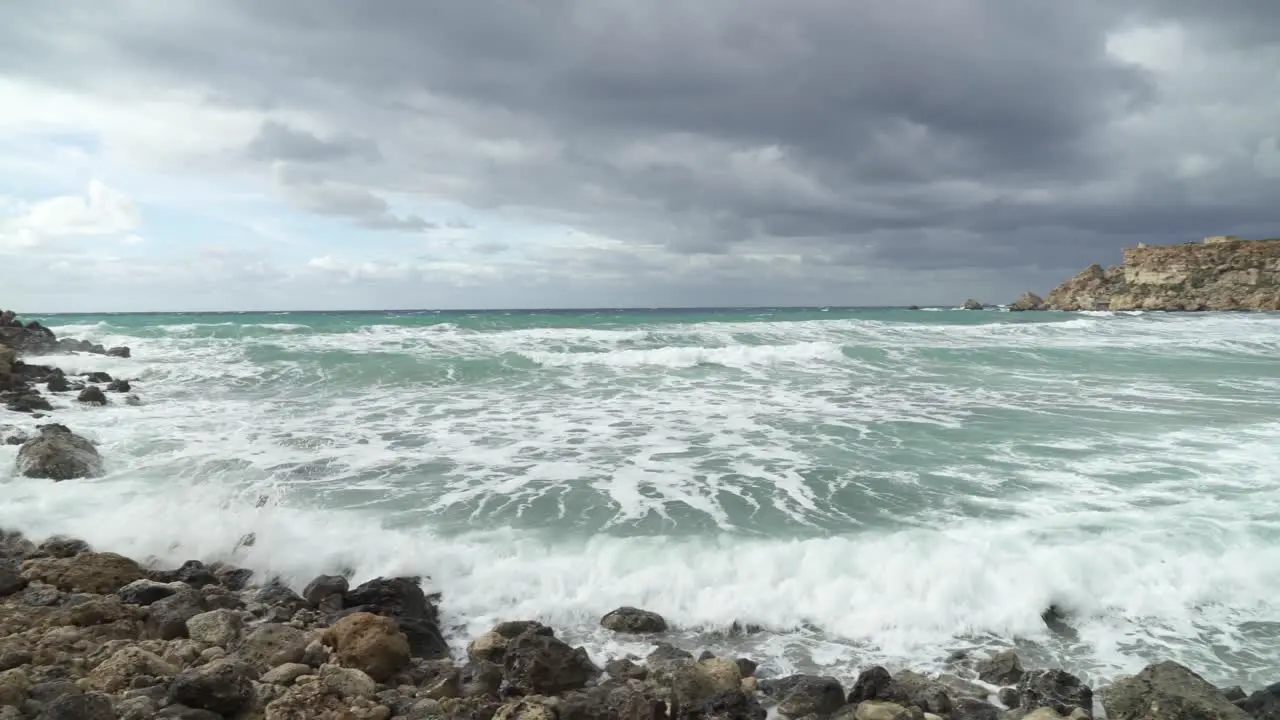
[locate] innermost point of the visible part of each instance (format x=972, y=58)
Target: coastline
x=69, y=627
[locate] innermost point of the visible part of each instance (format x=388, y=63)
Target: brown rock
x=91, y=572
x=1091, y=289
x=121, y=669
x=371, y=643
x=1028, y=301
x=58, y=454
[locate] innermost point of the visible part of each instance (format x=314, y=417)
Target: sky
x=328, y=154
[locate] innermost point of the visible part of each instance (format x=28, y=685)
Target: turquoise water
x=871, y=485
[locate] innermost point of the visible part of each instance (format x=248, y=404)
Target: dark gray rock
x=1167, y=691
x=393, y=597
x=191, y=572
x=544, y=665
x=1003, y=668
x=324, y=587
x=809, y=695
x=11, y=580
x=1057, y=689
x=168, y=617
x=145, y=592
x=60, y=546
x=89, y=706
x=967, y=708
x=633, y=620
x=874, y=683
x=92, y=395
x=98, y=377
x=1263, y=704
x=223, y=686
x=119, y=386
x=120, y=352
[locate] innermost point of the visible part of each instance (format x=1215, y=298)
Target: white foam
x=683, y=357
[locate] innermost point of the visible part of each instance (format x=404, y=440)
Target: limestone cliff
x=1220, y=273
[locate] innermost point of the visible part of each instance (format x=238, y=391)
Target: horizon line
x=619, y=308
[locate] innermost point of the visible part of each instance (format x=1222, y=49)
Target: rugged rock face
x=1029, y=301
x=1216, y=274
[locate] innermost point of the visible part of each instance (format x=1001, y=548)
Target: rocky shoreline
x=89, y=635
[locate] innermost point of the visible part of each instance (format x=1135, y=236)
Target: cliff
x=1220, y=273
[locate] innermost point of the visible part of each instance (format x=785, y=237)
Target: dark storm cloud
x=912, y=134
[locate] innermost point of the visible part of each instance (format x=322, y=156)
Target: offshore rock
x=633, y=620
x=58, y=454
x=1029, y=301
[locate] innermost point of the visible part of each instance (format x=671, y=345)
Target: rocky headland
x=1217, y=273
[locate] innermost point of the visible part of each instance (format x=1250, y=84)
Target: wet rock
x=747, y=667
x=323, y=588
x=39, y=594
x=801, y=695
x=278, y=597
x=60, y=546
x=11, y=658
x=120, y=352
x=58, y=454
x=511, y=629
x=633, y=620
x=972, y=304
x=10, y=435
x=167, y=617
x=969, y=708
x=89, y=706
x=92, y=395
x=1263, y=704
x=916, y=690
x=145, y=592
x=57, y=383
x=544, y=665
x=223, y=686
x=1167, y=691
x=28, y=402
x=11, y=580
x=98, y=377
x=695, y=683
x=1003, y=668
x=231, y=578
x=215, y=627
x=482, y=678
x=46, y=692
x=874, y=683
x=1028, y=301
x=1008, y=696
x=625, y=669
x=883, y=710
x=90, y=572
x=119, y=386
x=371, y=643
x=392, y=597
x=193, y=572
x=124, y=668
x=1056, y=689
x=273, y=644
x=489, y=647
x=182, y=712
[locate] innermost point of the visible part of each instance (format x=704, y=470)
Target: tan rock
x=1044, y=713
x=285, y=674
x=13, y=687
x=526, y=709
x=349, y=683
x=92, y=572
x=118, y=671
x=273, y=644
x=880, y=710
x=371, y=643
x=489, y=647
x=309, y=701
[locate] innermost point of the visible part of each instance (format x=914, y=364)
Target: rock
x=1167, y=691
x=145, y=592
x=489, y=647
x=91, y=572
x=193, y=572
x=392, y=597
x=275, y=595
x=10, y=435
x=167, y=617
x=323, y=588
x=348, y=682
x=127, y=664
x=223, y=686
x=883, y=710
x=696, y=683
x=182, y=712
x=57, y=383
x=89, y=706
x=811, y=695
x=92, y=395
x=273, y=644
x=625, y=669
x=13, y=687
x=1008, y=697
x=874, y=683
x=972, y=304
x=215, y=627
x=1263, y=704
x=916, y=690
x=119, y=386
x=311, y=701
x=541, y=664
x=1056, y=689
x=11, y=580
x=1044, y=713
x=444, y=685
x=28, y=402
x=1093, y=288
x=285, y=674
x=132, y=400
x=98, y=377
x=60, y=546
x=58, y=454
x=1003, y=668
x=1028, y=301
x=120, y=352
x=371, y=643
x=970, y=708
x=633, y=620
x=525, y=709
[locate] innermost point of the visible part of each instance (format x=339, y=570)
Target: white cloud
x=101, y=211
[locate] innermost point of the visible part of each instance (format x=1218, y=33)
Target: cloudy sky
x=314, y=154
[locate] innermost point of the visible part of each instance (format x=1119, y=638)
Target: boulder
x=882, y=710
x=634, y=621
x=1055, y=689
x=13, y=687
x=489, y=647
x=543, y=665
x=285, y=674
x=916, y=690
x=167, y=618
x=1029, y=301
x=223, y=686
x=874, y=683
x=215, y=627
x=57, y=383
x=58, y=454
x=1003, y=668
x=89, y=706
x=192, y=572
x=120, y=670
x=310, y=701
x=11, y=580
x=10, y=435
x=693, y=684
x=92, y=395
x=60, y=546
x=972, y=304
x=347, y=682
x=119, y=386
x=801, y=695
x=273, y=644
x=371, y=643
x=120, y=352
x=1263, y=704
x=91, y=572
x=402, y=598
x=323, y=588
x=145, y=591
x=1167, y=691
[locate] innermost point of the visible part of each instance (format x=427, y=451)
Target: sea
x=819, y=489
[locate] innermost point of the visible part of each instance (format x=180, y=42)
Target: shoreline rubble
x=93, y=635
